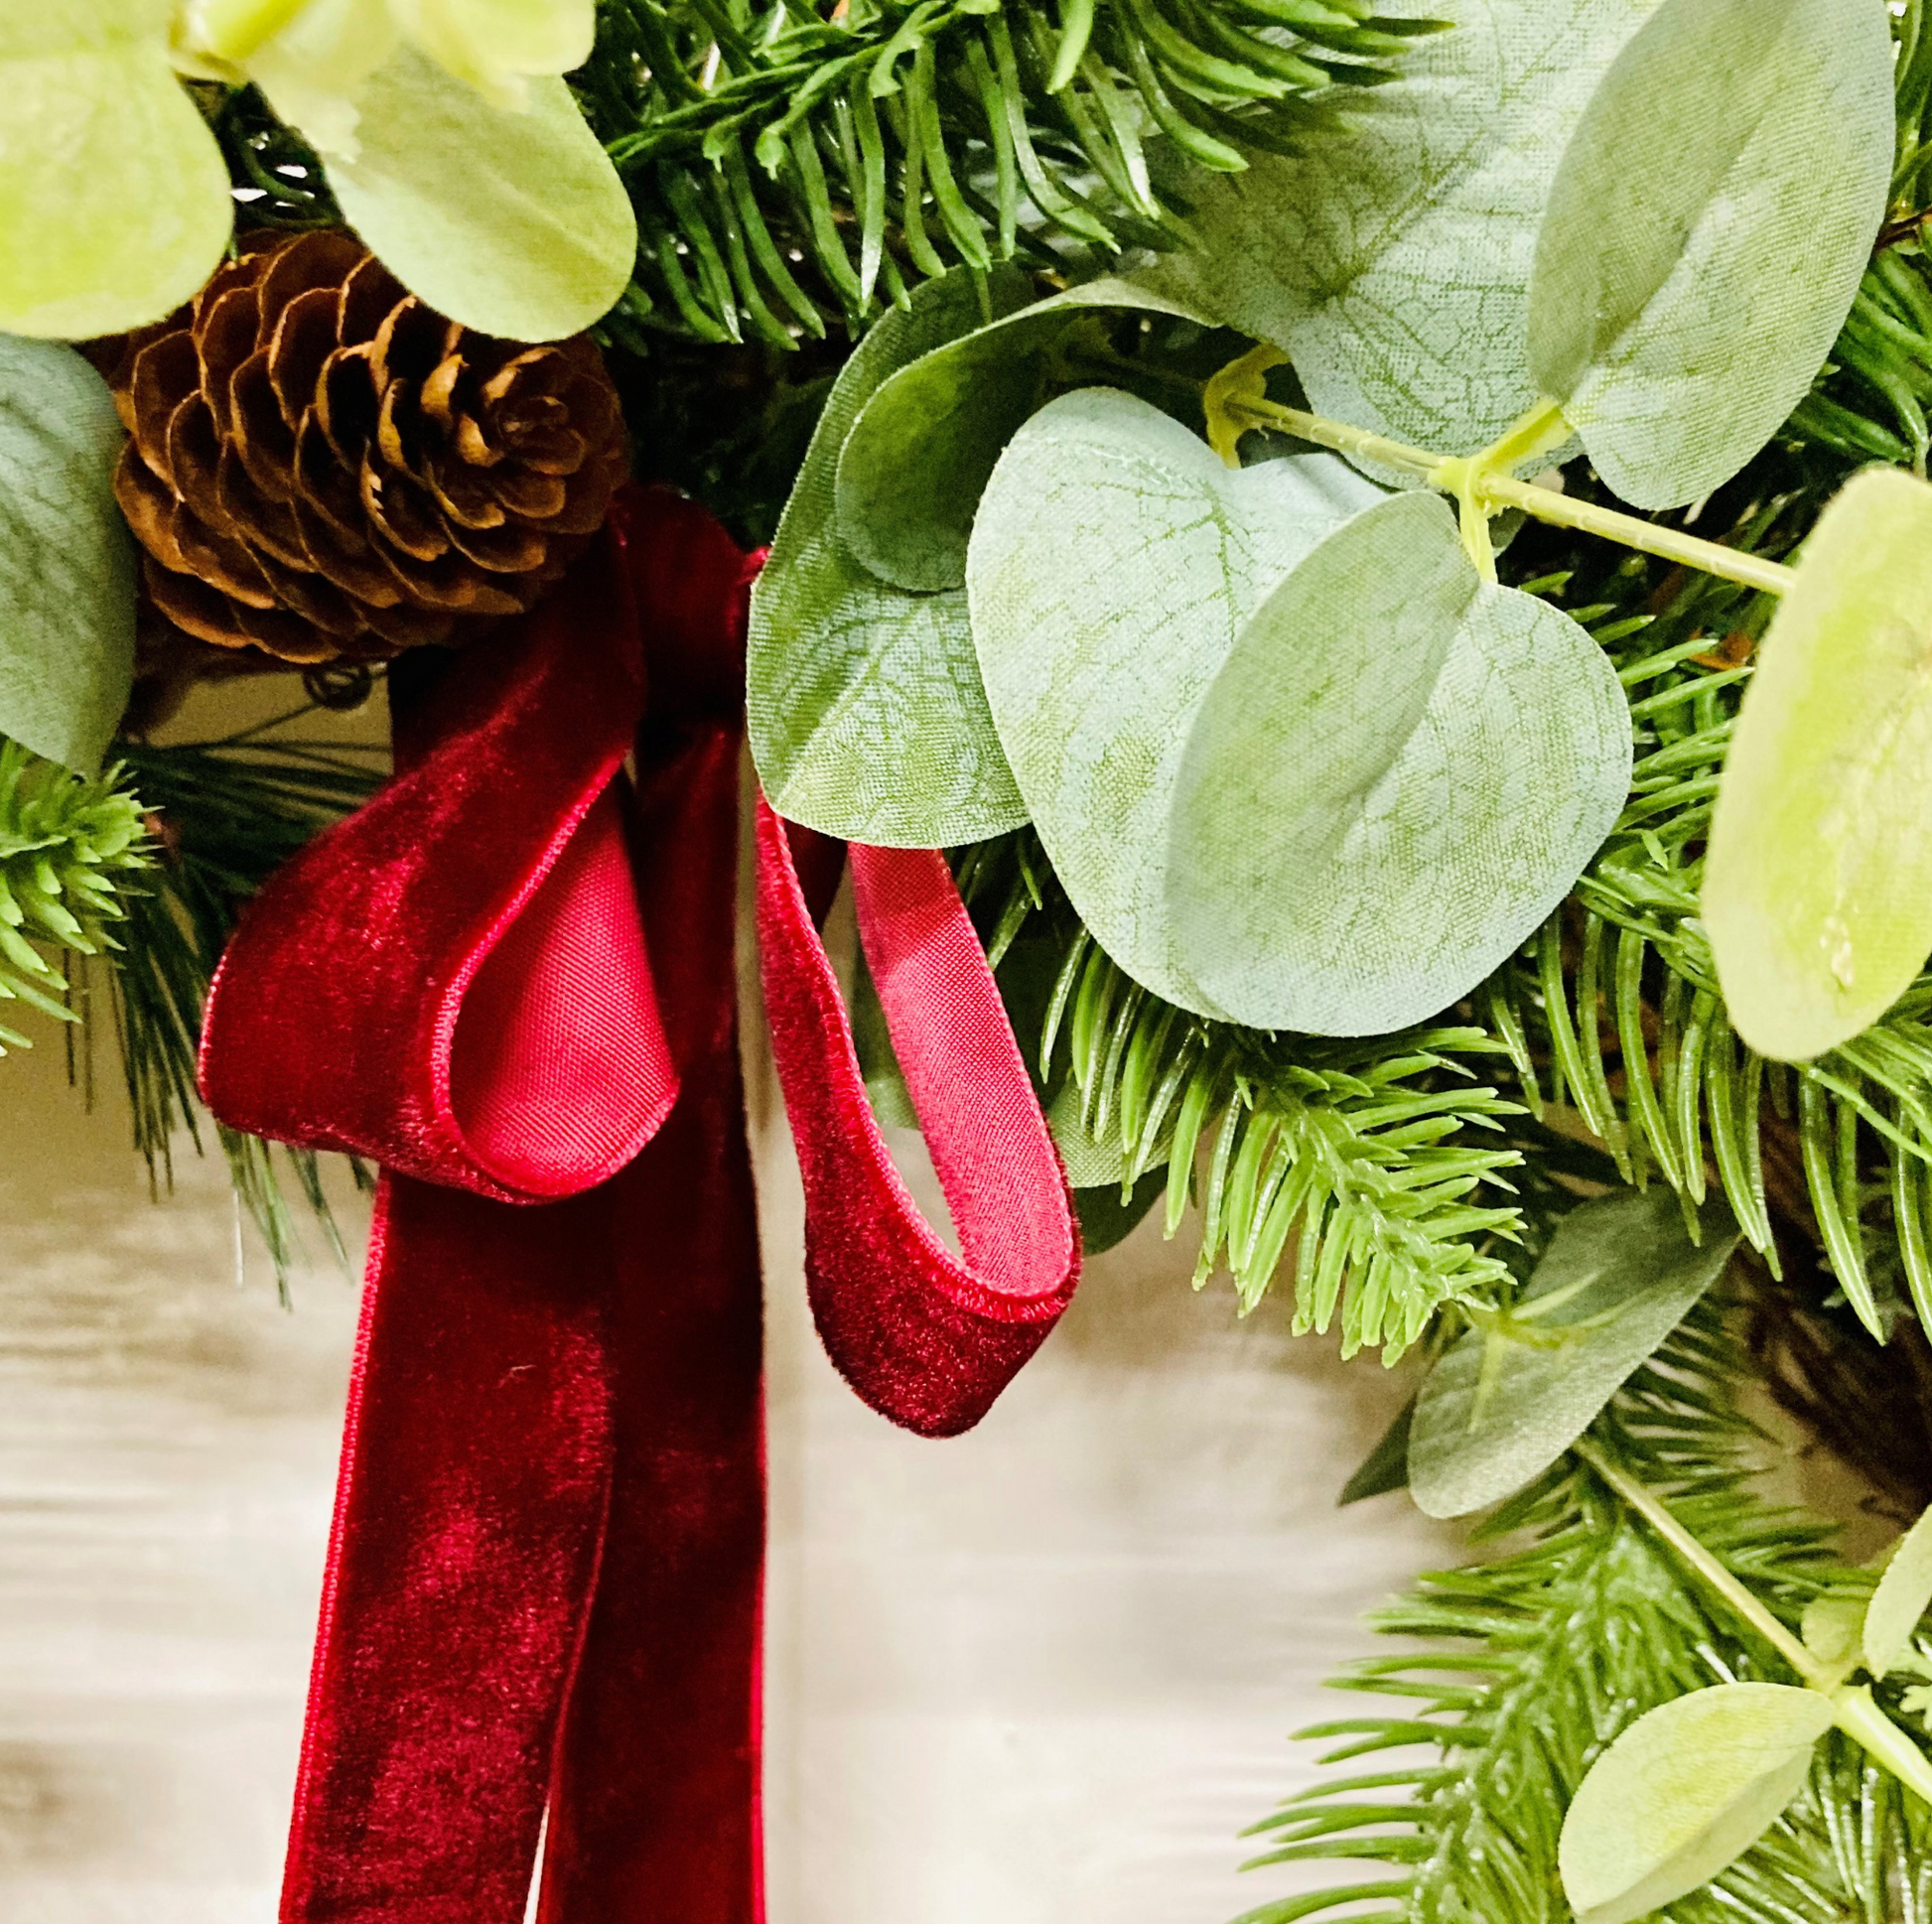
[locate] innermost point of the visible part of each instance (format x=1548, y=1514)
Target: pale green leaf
x=1397, y=775
x=114, y=200
x=913, y=467
x=1503, y=1403
x=1830, y=1629
x=512, y=223
x=1391, y=257
x=1113, y=562
x=1684, y=1792
x=1686, y=290
x=1817, y=889
x=1903, y=1594
x=867, y=715
x=66, y=561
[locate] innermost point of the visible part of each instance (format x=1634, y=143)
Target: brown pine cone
x=320, y=466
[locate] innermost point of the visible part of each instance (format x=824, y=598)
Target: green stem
x=1650, y=1507
x=1856, y=1712
x=1476, y=482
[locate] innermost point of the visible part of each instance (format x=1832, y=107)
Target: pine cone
x=320, y=466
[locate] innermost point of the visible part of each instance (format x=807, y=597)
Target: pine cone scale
x=320, y=466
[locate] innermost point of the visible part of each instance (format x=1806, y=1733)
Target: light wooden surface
x=1039, y=1675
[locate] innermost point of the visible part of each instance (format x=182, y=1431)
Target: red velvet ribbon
x=508, y=979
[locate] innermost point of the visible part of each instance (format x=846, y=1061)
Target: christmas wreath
x=1350, y=583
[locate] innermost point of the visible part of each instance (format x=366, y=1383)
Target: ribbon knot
x=509, y=980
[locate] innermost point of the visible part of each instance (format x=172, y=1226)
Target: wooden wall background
x=1037, y=1676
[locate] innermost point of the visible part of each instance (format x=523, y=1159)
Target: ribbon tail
x=656, y=1815
x=467, y=1524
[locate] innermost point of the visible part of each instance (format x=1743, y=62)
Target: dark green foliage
x=788, y=167
x=68, y=846
x=226, y=813
x=1537, y=1659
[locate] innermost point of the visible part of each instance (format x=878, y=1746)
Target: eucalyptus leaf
x=1113, y=562
x=867, y=715
x=1391, y=257
x=1818, y=888
x=1502, y=1403
x=913, y=468
x=67, y=560
x=1903, y=1597
x=1684, y=1792
x=513, y=222
x=113, y=194
x=1686, y=290
x=1398, y=775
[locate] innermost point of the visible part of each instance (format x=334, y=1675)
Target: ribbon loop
x=925, y=1337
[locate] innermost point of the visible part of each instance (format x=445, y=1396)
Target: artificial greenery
x=788, y=167
x=70, y=847
x=1541, y=1655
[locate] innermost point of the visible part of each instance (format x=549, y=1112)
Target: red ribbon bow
x=509, y=980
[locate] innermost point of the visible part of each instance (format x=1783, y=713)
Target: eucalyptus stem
x=1854, y=1709
x=1472, y=478
x=1650, y=1507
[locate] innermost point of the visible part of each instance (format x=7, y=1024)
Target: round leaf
x=1903, y=1594
x=1113, y=562
x=113, y=194
x=1817, y=889
x=514, y=223
x=1686, y=290
x=1391, y=256
x=867, y=715
x=1396, y=777
x=1502, y=1405
x=1684, y=1792
x=913, y=467
x=66, y=561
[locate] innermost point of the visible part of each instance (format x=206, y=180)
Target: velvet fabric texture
x=509, y=979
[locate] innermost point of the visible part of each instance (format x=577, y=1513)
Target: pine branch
x=1541, y=1656
x=227, y=813
x=788, y=169
x=68, y=845
x=1358, y=1157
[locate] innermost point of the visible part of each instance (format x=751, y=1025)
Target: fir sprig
x=1540, y=1657
x=788, y=167
x=68, y=846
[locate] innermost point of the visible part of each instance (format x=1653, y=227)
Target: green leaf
x=1684, y=1792
x=913, y=468
x=66, y=561
x=1832, y=1628
x=514, y=223
x=1502, y=1403
x=1398, y=775
x=1903, y=1594
x=1386, y=1467
x=1114, y=560
x=1688, y=289
x=867, y=720
x=1106, y=1218
x=113, y=194
x=1817, y=889
x=1391, y=256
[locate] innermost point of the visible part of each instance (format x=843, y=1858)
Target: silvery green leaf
x=1397, y=775
x=66, y=561
x=1683, y=1793
x=1502, y=1405
x=1818, y=888
x=513, y=222
x=1903, y=1594
x=1391, y=257
x=867, y=715
x=1687, y=289
x=1113, y=562
x=916, y=461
